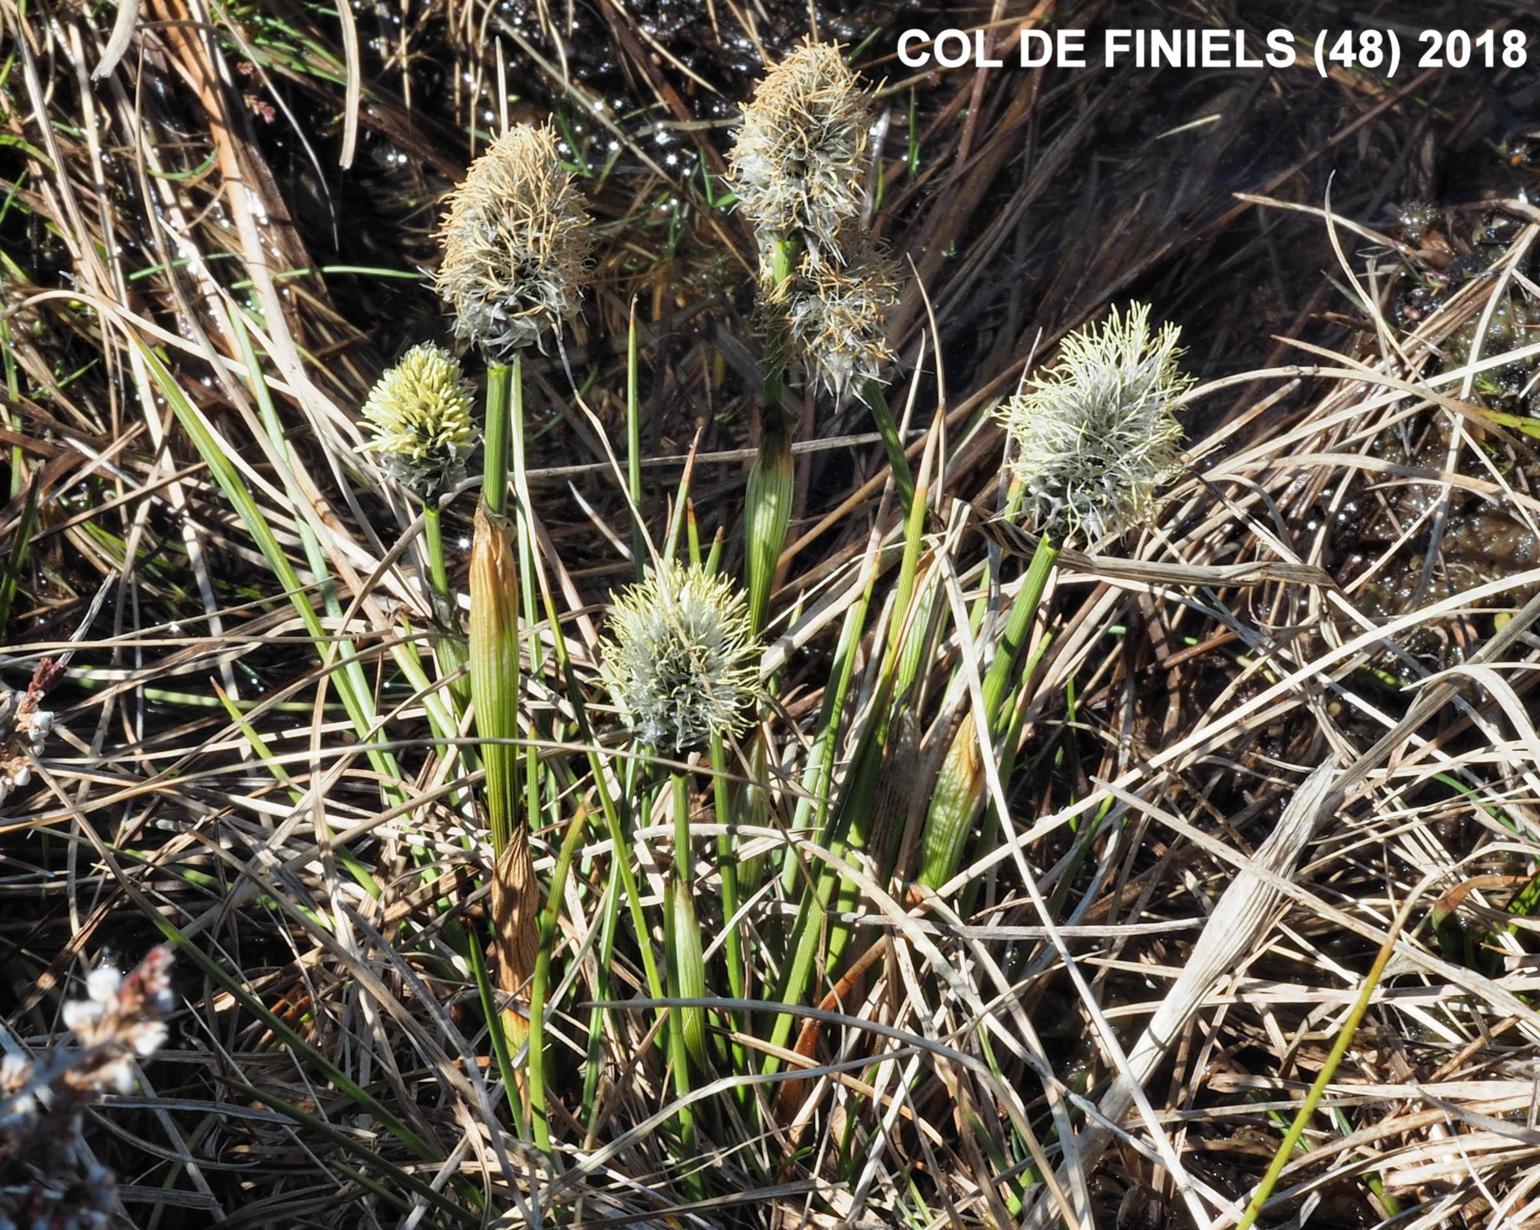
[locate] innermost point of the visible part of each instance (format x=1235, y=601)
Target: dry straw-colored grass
x=1257, y=738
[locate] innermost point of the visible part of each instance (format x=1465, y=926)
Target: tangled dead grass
x=1174, y=917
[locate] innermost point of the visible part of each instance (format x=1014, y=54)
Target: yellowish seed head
x=516, y=240
x=419, y=417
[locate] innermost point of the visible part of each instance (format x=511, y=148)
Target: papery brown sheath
x=494, y=666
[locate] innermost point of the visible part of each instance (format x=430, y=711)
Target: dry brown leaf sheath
x=494, y=661
x=515, y=935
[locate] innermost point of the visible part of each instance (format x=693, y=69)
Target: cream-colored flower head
x=680, y=659
x=838, y=318
x=516, y=240
x=800, y=155
x=419, y=414
x=1092, y=437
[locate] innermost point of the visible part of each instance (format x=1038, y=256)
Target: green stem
x=1018, y=622
x=525, y=535
x=494, y=485
x=727, y=858
x=634, y=448
x=1328, y=1070
x=682, y=982
x=493, y=1015
x=679, y=785
x=540, y=984
x=766, y=516
x=783, y=259
x=433, y=532
x=903, y=477
x=949, y=821
x=447, y=644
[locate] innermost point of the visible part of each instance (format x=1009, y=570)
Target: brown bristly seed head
x=516, y=240
x=837, y=314
x=800, y=154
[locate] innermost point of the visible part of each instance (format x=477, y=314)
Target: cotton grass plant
x=837, y=317
x=1087, y=443
x=681, y=664
x=516, y=239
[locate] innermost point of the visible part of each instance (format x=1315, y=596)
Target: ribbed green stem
x=530, y=612
x=494, y=663
x=783, y=259
x=1328, y=1070
x=727, y=869
x=766, y=516
x=959, y=789
x=433, y=534
x=494, y=483
x=447, y=644
x=540, y=985
x=1018, y=623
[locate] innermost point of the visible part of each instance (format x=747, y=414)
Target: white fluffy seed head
x=1092, y=437
x=516, y=240
x=680, y=658
x=419, y=414
x=837, y=313
x=799, y=157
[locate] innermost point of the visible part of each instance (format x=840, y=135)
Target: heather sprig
x=24, y=727
x=43, y=1182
